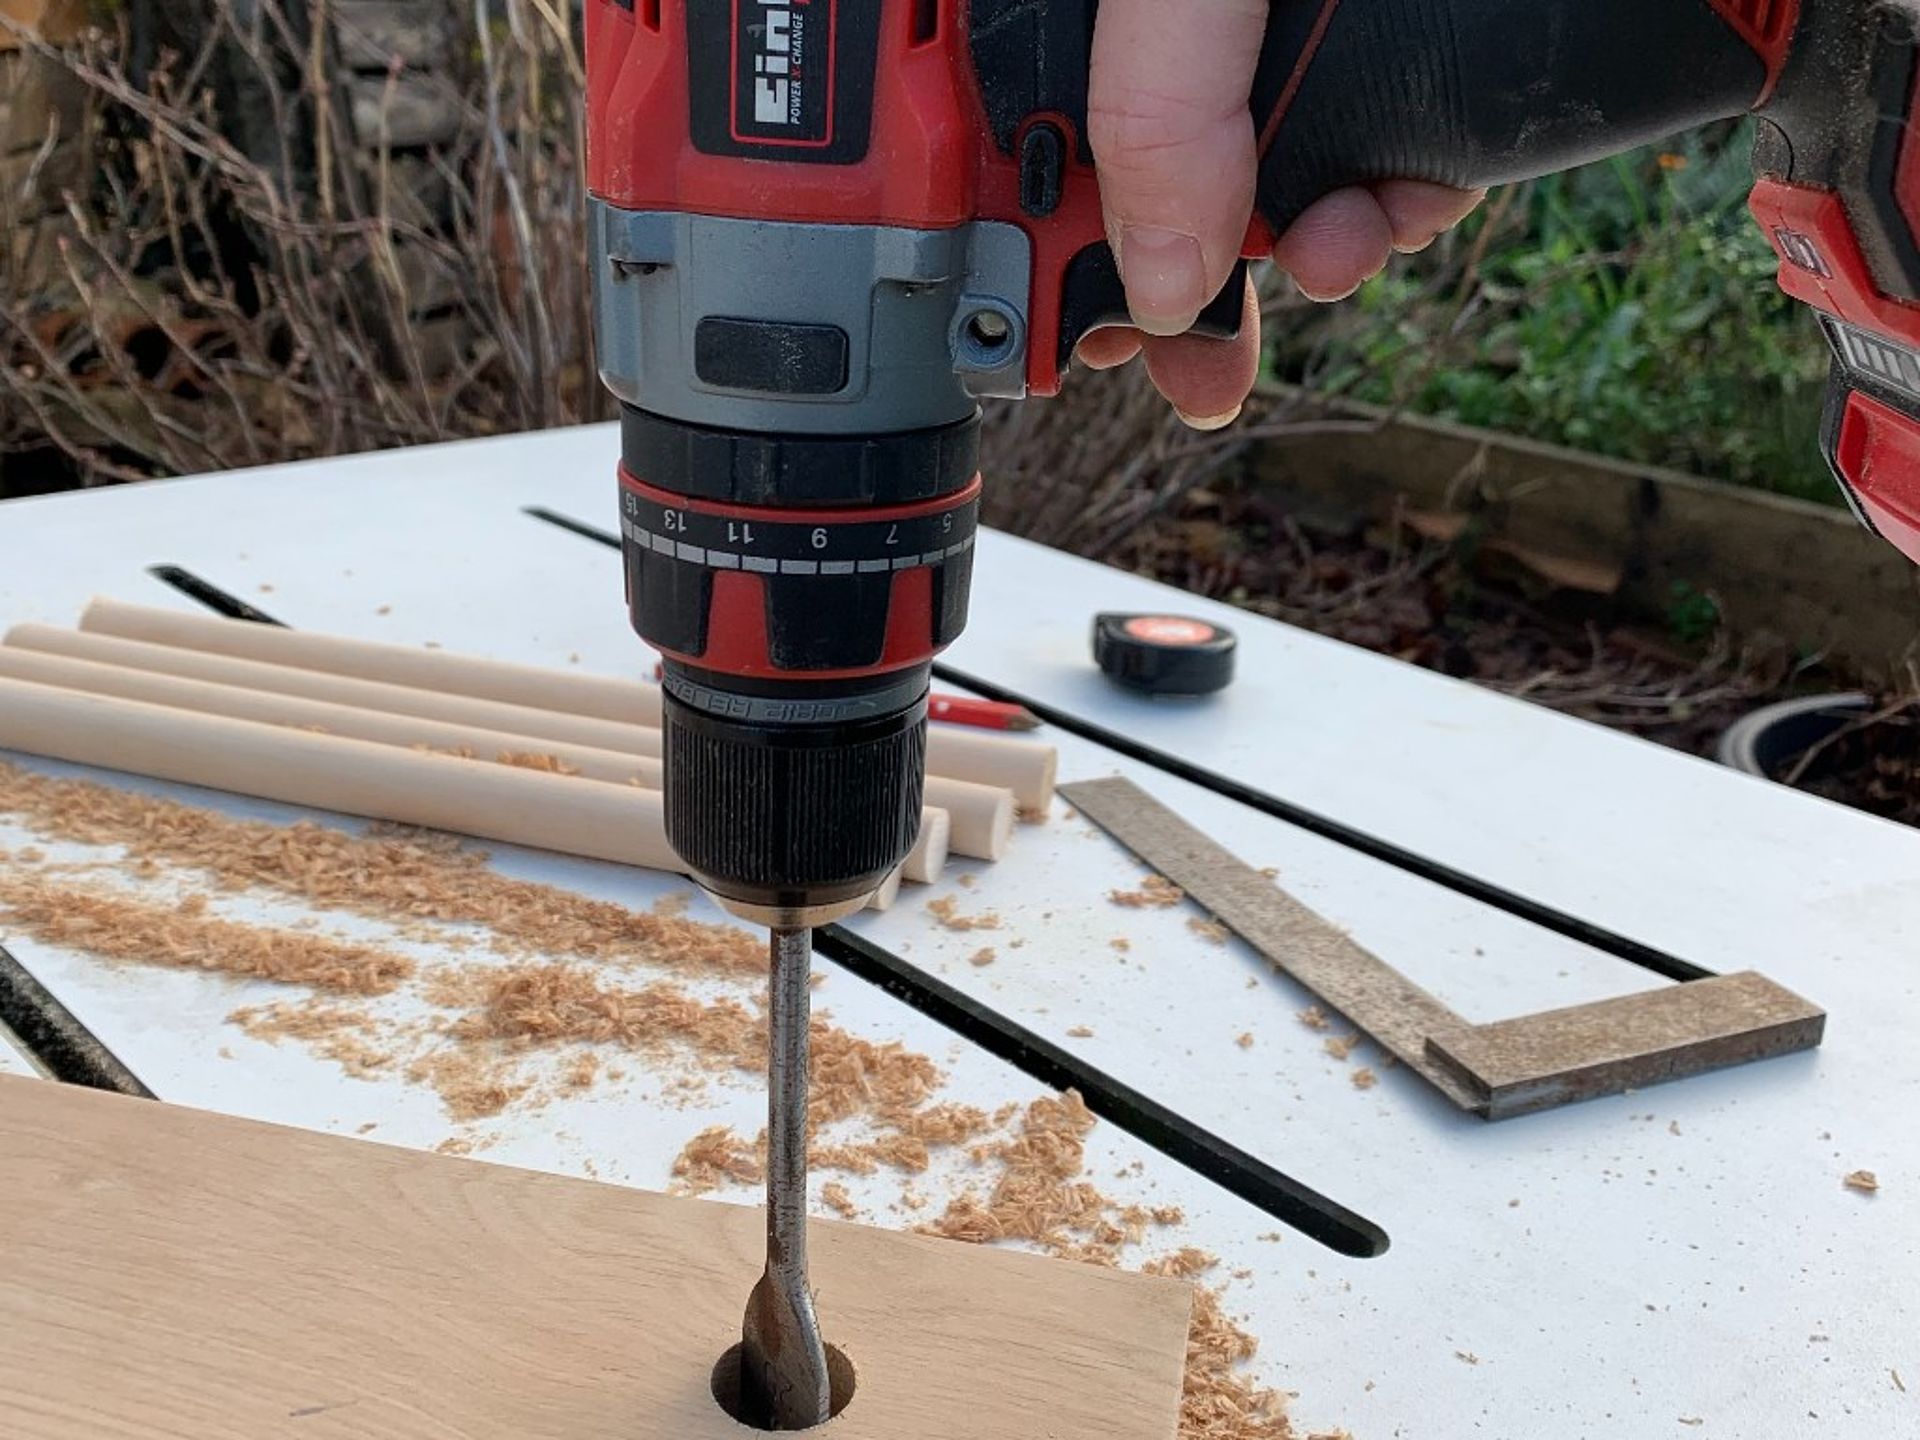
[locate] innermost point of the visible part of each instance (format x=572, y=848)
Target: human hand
x=1173, y=139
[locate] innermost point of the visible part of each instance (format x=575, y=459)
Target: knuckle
x=1149, y=129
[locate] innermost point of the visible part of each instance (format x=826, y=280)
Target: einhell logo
x=783, y=71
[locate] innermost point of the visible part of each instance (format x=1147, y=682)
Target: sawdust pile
x=555, y=1004
x=1041, y=1195
x=884, y=1087
x=182, y=936
x=471, y=1086
x=406, y=876
x=1156, y=892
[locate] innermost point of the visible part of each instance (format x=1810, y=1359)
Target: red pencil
x=987, y=714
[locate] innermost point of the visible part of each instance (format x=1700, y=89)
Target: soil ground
x=1482, y=619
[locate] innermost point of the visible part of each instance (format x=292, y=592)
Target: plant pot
x=1762, y=742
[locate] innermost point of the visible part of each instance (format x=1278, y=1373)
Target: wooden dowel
x=1025, y=767
x=353, y=722
x=603, y=696
x=929, y=854
x=982, y=816
x=539, y=724
x=889, y=891
x=568, y=814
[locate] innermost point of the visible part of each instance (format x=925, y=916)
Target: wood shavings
x=1183, y=1264
x=945, y=909
x=1898, y=1383
x=584, y=1071
x=1080, y=1032
x=533, y=760
x=30, y=855
x=1313, y=1017
x=1038, y=1196
x=1121, y=944
x=335, y=1032
x=1467, y=1355
x=552, y=1004
x=1864, y=1181
x=454, y=1145
x=471, y=1087
x=1673, y=1127
x=716, y=1157
x=1363, y=1078
x=1219, y=1400
x=1269, y=872
x=390, y=874
x=181, y=937
x=983, y=956
x=1156, y=892
x=835, y=1197
x=1244, y=1040
x=1210, y=930
x=1340, y=1046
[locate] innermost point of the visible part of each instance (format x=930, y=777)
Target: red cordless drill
x=825, y=229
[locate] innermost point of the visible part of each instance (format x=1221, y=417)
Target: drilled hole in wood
x=726, y=1386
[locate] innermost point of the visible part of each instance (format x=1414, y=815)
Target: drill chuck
x=787, y=805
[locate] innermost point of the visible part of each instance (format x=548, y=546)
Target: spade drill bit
x=783, y=1361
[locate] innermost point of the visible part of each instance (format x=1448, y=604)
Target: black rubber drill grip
x=1480, y=92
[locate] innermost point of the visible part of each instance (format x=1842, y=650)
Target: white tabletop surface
x=1626, y=1267
x=14, y=1059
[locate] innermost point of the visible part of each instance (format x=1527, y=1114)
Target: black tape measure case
x=1163, y=654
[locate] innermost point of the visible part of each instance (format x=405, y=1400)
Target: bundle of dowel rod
x=596, y=730
x=570, y=814
x=1024, y=767
x=981, y=816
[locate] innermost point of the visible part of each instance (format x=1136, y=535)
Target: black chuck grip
x=1481, y=92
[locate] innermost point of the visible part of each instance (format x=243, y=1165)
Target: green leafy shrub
x=1628, y=308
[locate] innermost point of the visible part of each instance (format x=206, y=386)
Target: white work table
x=1684, y=1260
x=14, y=1059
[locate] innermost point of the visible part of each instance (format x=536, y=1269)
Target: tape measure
x=1163, y=654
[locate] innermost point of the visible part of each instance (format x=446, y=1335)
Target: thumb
x=1173, y=141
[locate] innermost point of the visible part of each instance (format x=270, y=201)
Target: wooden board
x=1509, y=1067
x=175, y=1275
